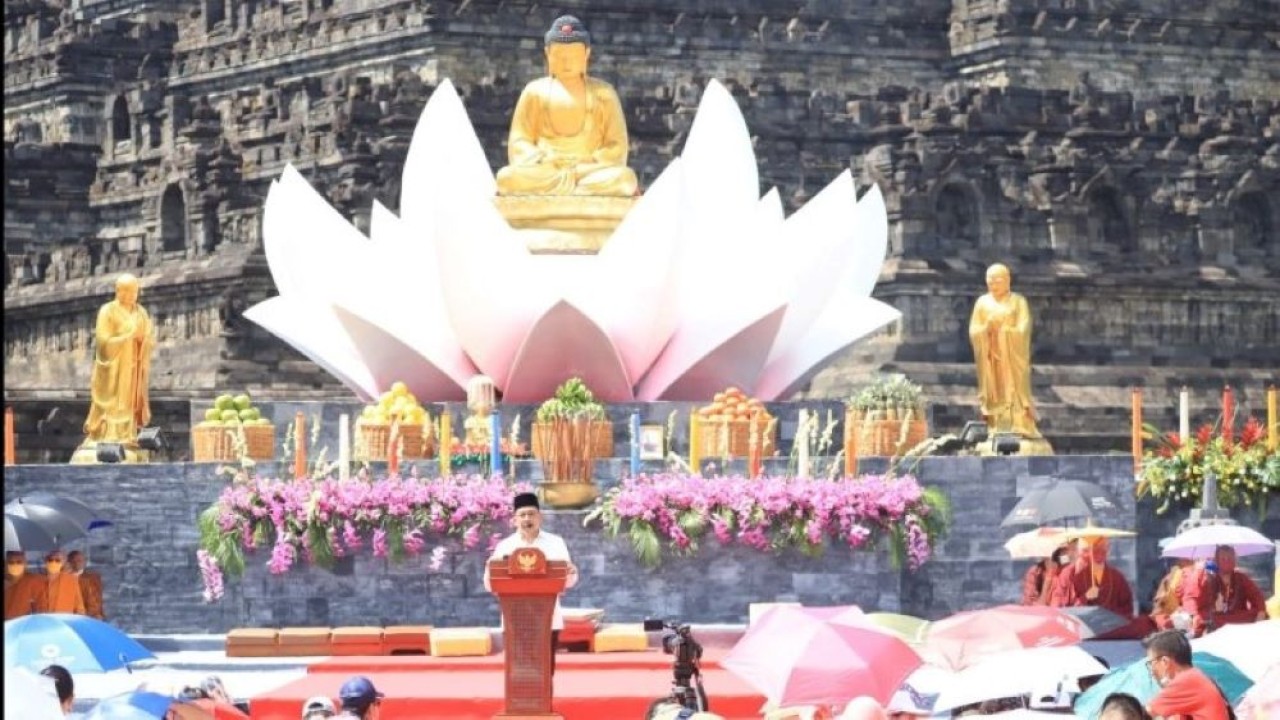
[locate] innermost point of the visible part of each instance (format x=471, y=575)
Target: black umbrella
x=65, y=518
x=1098, y=620
x=1059, y=501
x=21, y=534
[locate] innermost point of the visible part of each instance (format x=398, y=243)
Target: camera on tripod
x=686, y=687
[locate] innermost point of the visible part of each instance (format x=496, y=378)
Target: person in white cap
x=907, y=703
x=318, y=707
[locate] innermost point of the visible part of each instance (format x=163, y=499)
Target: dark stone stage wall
x=152, y=583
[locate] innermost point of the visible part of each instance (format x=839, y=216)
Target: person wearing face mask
x=1220, y=595
x=63, y=588
x=1185, y=691
x=24, y=594
x=529, y=533
x=1037, y=584
x=90, y=584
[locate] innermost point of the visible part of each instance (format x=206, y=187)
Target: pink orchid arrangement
x=774, y=513
x=320, y=519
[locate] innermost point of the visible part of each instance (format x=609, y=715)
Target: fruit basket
x=727, y=424
x=399, y=407
x=233, y=428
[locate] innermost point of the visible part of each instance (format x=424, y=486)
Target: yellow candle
x=695, y=441
x=851, y=447
x=300, y=446
x=1273, y=422
x=446, y=441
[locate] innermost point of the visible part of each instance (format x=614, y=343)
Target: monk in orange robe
x=23, y=594
x=63, y=588
x=1168, y=597
x=90, y=585
x=1091, y=581
x=1222, y=595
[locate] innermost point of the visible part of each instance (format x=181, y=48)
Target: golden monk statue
x=1000, y=330
x=568, y=134
x=481, y=394
x=124, y=338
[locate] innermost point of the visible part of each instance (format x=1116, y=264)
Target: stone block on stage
x=461, y=642
x=621, y=638
x=359, y=640
x=305, y=641
x=407, y=640
x=253, y=642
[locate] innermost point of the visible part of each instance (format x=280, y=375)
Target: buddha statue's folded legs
x=548, y=179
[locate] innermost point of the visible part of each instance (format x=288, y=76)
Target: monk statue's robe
x=1217, y=599
x=1000, y=331
x=64, y=594
x=91, y=591
x=546, y=158
x=124, y=339
x=25, y=595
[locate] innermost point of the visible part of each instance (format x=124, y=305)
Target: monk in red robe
x=1037, y=584
x=24, y=594
x=63, y=588
x=1091, y=581
x=1221, y=595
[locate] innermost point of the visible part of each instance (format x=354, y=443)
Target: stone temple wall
x=152, y=582
x=1121, y=155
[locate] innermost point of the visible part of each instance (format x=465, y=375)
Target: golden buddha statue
x=123, y=338
x=567, y=151
x=481, y=395
x=1000, y=330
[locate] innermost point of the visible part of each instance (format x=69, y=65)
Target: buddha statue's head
x=568, y=49
x=127, y=288
x=998, y=280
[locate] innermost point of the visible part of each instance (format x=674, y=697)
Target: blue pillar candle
x=635, y=444
x=495, y=443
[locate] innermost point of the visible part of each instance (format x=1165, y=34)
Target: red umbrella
x=820, y=656
x=963, y=638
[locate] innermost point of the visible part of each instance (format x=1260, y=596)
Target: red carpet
x=588, y=686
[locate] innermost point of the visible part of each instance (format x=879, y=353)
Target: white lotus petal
x=312, y=330
x=719, y=160
x=820, y=239
x=412, y=313
x=565, y=343
x=444, y=160
x=310, y=247
x=637, y=269
x=872, y=223
x=848, y=318
x=390, y=360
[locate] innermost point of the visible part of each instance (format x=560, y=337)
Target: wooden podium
x=527, y=586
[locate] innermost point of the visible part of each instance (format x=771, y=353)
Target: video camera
x=678, y=641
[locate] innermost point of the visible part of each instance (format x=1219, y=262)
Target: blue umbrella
x=76, y=642
x=137, y=705
x=1135, y=679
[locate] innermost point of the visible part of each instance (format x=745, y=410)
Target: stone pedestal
x=564, y=224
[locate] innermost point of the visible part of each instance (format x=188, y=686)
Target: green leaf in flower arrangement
x=260, y=534
x=693, y=523
x=644, y=541
x=395, y=541
x=897, y=543
x=318, y=540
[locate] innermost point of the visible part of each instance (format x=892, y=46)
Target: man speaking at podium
x=529, y=533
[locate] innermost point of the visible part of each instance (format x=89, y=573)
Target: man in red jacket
x=1185, y=691
x=1218, y=594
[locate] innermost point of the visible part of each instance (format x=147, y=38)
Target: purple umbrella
x=1200, y=542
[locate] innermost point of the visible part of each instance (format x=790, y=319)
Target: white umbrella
x=1010, y=674
x=30, y=696
x=1200, y=542
x=1252, y=648
x=1037, y=543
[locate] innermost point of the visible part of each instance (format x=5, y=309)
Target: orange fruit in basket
x=719, y=397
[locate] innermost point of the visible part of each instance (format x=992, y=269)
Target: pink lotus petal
x=543, y=362
x=389, y=360
x=314, y=332
x=738, y=361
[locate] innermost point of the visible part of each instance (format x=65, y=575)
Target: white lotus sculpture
x=703, y=285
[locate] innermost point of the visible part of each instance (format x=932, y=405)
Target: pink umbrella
x=820, y=656
x=963, y=638
x=1262, y=701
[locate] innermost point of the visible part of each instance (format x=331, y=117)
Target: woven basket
x=601, y=439
x=880, y=437
x=218, y=443
x=732, y=438
x=373, y=441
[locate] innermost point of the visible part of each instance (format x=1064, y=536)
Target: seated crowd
x=1198, y=597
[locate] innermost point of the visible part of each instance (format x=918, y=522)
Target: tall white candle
x=802, y=437
x=344, y=447
x=1184, y=416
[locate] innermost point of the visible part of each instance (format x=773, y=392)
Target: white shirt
x=552, y=546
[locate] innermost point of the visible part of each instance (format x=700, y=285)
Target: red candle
x=1228, y=414
x=10, y=446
